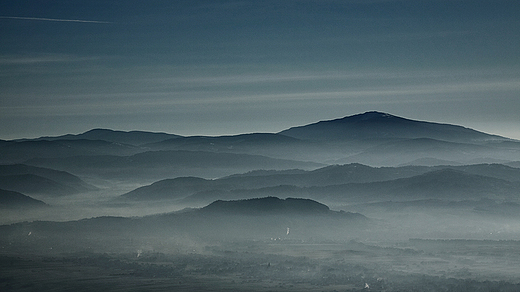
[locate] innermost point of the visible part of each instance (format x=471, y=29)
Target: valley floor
x=414, y=265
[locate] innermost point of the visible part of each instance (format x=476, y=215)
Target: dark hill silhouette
x=281, y=191
x=383, y=126
x=11, y=199
x=262, y=219
x=134, y=138
x=268, y=205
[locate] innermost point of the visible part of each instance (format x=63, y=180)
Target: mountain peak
x=371, y=116
x=374, y=125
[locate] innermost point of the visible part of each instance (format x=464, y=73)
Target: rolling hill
x=33, y=184
x=261, y=218
x=170, y=189
x=155, y=165
x=350, y=177
x=10, y=199
x=179, y=188
x=445, y=184
x=32, y=174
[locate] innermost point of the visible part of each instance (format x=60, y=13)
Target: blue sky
x=228, y=67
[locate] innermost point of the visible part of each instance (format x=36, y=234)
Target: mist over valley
x=366, y=202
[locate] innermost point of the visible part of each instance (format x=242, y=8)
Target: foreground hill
x=261, y=218
x=268, y=205
x=172, y=189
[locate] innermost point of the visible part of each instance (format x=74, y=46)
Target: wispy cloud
x=42, y=58
x=53, y=19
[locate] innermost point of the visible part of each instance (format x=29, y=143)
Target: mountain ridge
x=262, y=183
x=374, y=124
x=358, y=138
x=135, y=138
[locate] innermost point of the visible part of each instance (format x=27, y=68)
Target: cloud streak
x=42, y=58
x=53, y=19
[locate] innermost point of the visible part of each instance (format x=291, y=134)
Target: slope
x=10, y=199
x=60, y=177
x=383, y=126
x=445, y=184
x=259, y=219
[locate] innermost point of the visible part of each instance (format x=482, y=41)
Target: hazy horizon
x=231, y=67
x=502, y=133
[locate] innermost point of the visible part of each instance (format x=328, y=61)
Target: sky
x=229, y=67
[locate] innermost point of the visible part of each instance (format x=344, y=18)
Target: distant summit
x=377, y=125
